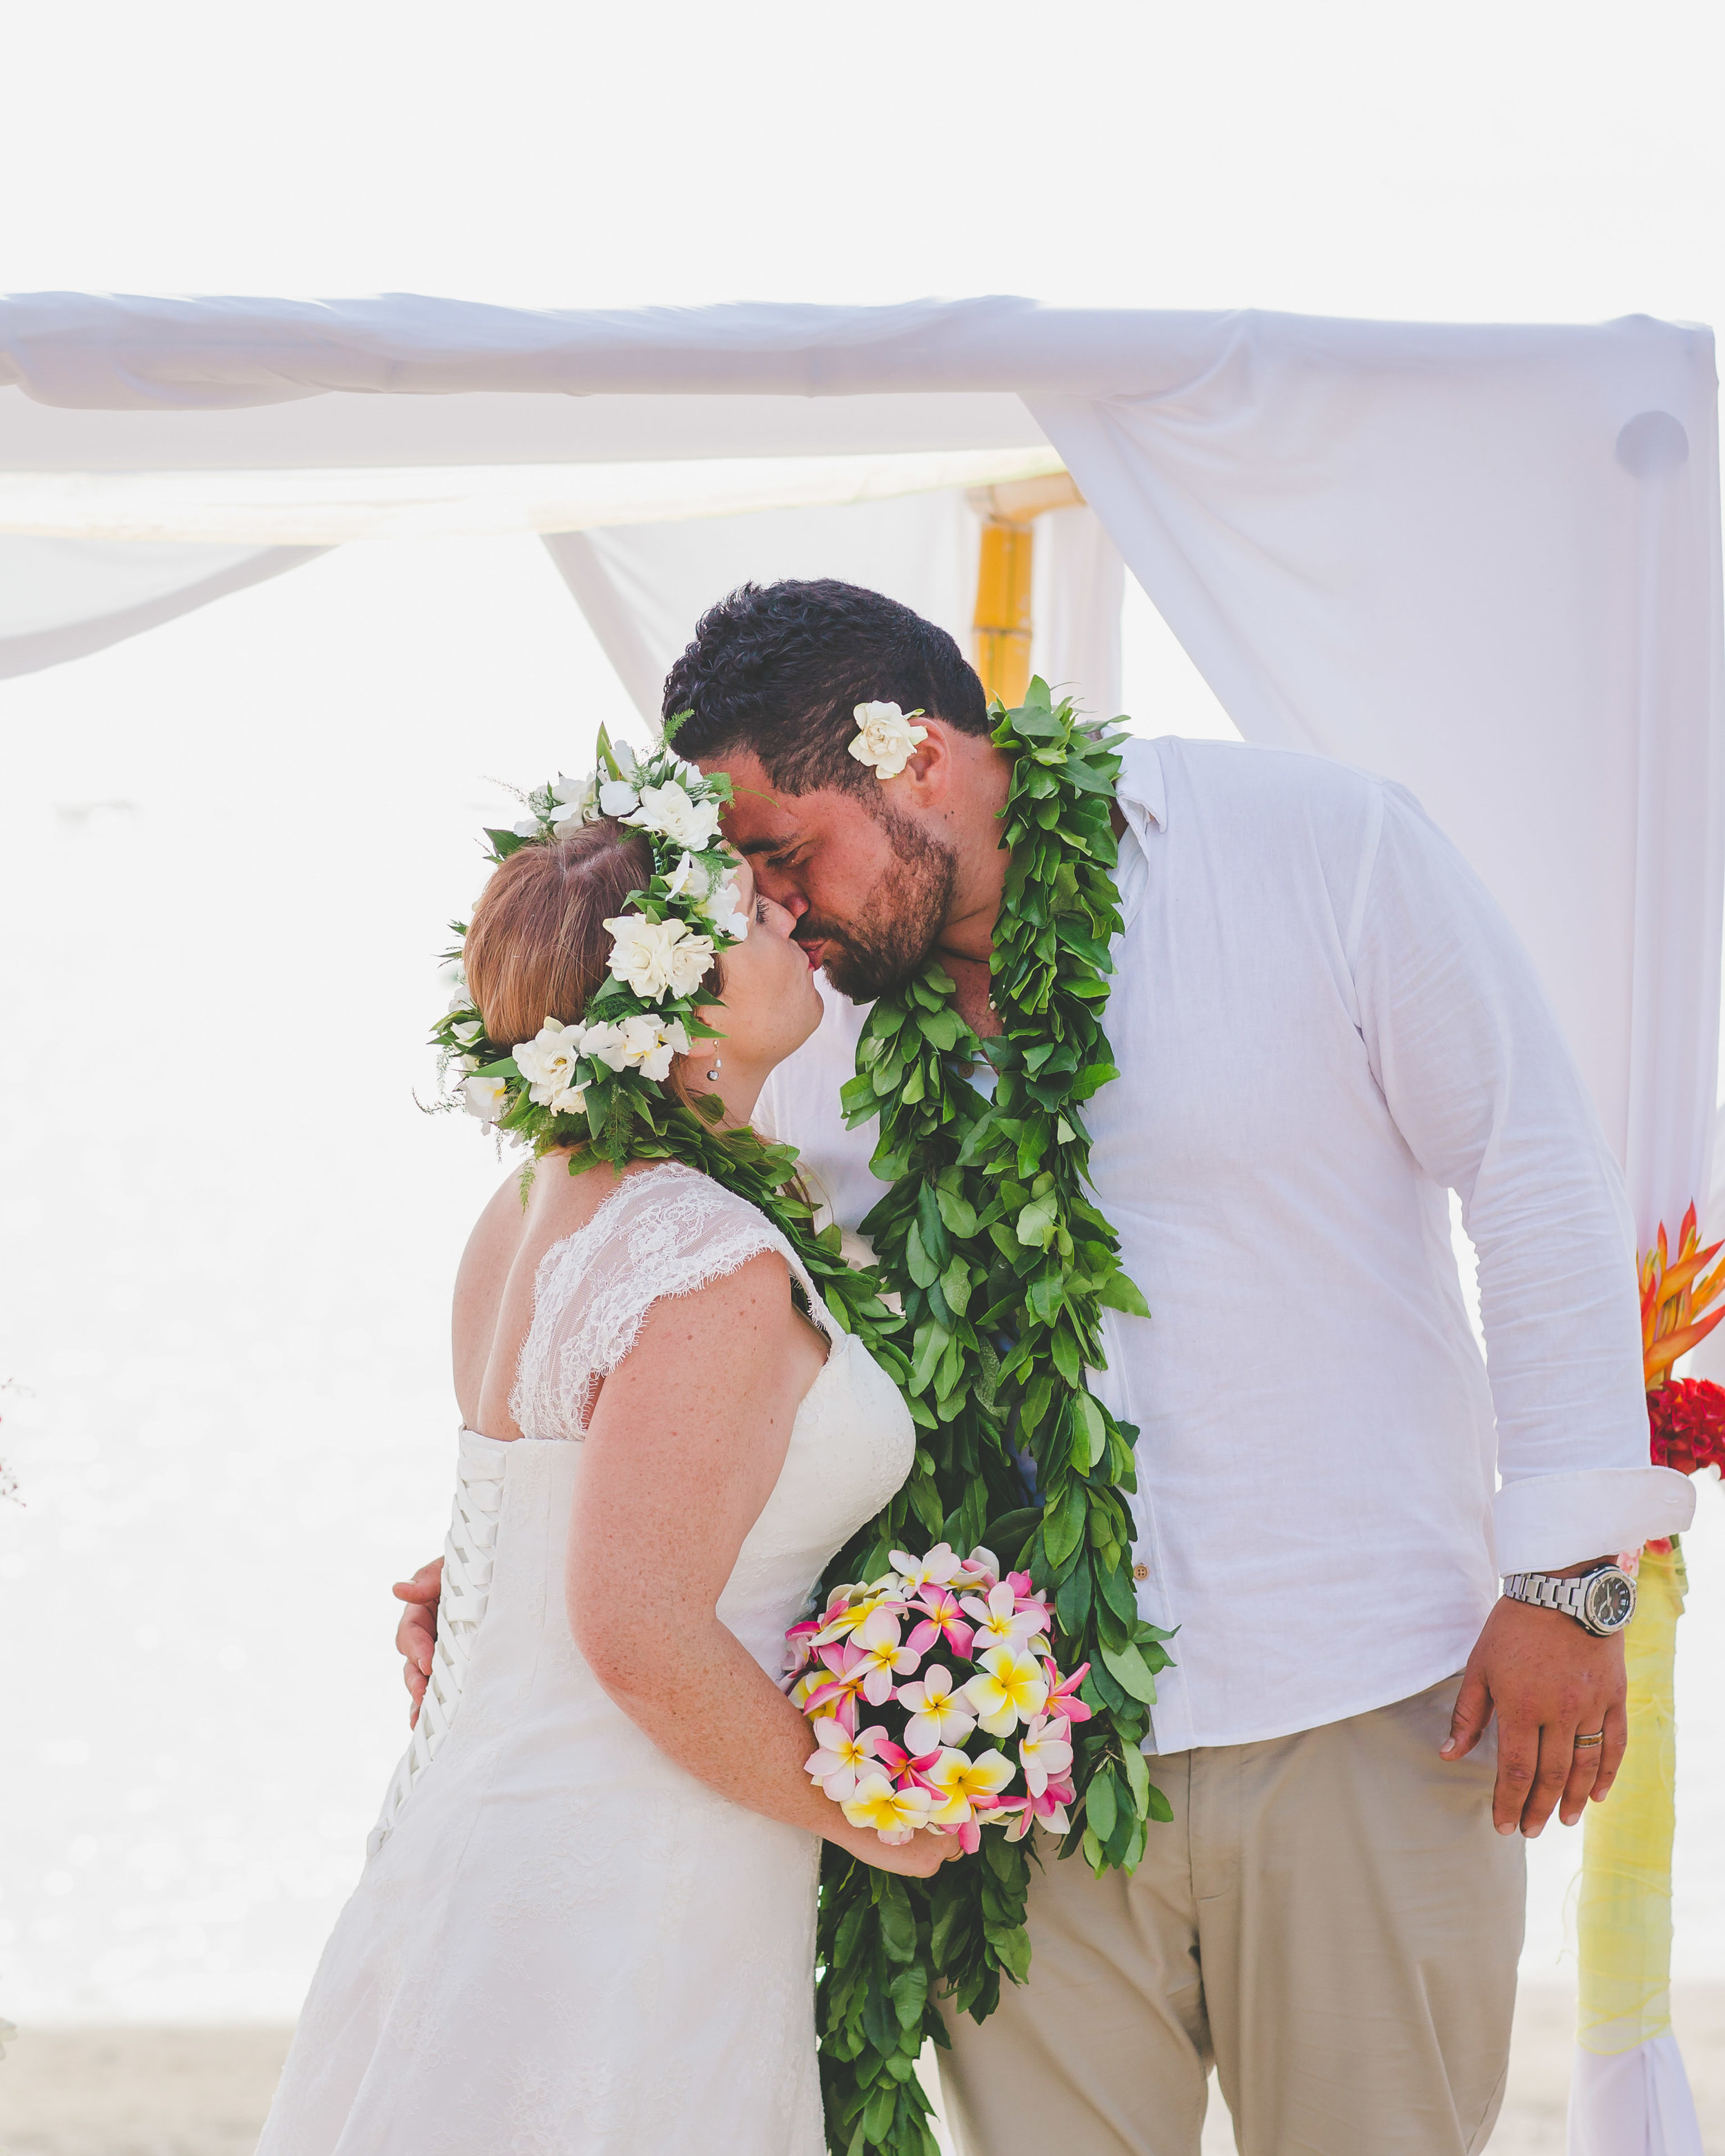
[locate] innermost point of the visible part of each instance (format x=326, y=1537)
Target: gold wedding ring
x=1582, y=1742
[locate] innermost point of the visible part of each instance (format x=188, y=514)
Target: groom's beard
x=904, y=914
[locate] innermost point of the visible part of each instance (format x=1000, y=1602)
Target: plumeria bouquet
x=579, y=1083
x=895, y=1729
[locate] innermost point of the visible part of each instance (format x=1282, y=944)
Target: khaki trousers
x=1330, y=1919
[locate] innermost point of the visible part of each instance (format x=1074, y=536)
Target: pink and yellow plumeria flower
x=799, y=1645
x=1011, y=1689
x=1001, y=1622
x=1063, y=1692
x=1044, y=1752
x=895, y=1814
x=945, y=1620
x=981, y=1568
x=942, y=1565
x=841, y=1759
x=938, y=1715
x=1049, y=1810
x=963, y=1787
x=837, y=1623
x=1029, y=1599
x=877, y=1642
x=846, y=1671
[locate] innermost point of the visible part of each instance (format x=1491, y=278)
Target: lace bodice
x=665, y=1231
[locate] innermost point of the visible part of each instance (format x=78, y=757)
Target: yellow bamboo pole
x=1003, y=609
x=1001, y=649
x=1623, y=1916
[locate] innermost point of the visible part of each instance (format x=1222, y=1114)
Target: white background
x=227, y=850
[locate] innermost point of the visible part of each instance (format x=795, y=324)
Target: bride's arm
x=682, y=1452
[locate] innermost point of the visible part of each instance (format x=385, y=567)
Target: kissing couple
x=1152, y=1065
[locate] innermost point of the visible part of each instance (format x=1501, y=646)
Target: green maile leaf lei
x=1004, y=1267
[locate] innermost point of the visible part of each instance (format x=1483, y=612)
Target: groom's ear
x=930, y=765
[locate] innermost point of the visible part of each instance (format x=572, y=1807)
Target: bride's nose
x=780, y=919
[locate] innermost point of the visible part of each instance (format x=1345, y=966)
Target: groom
x=1323, y=1025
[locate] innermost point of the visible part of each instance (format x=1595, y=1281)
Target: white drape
x=1485, y=561
x=64, y=598
x=643, y=588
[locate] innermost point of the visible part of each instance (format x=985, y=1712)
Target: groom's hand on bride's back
x=416, y=1636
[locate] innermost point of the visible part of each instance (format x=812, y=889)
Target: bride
x=587, y=1920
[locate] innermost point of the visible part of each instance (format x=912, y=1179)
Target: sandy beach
x=137, y=2091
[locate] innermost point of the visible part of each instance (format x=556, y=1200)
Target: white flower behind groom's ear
x=885, y=738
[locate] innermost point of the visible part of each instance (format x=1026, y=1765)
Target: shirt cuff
x=1547, y=1521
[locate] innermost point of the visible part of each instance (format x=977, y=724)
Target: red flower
x=1685, y=1418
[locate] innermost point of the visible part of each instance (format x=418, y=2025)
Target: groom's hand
x=1549, y=1681
x=416, y=1636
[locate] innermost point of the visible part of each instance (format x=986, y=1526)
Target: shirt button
x=1141, y=1572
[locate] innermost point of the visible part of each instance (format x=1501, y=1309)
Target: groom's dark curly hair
x=779, y=669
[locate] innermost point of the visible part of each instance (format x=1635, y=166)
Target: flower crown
x=583, y=1082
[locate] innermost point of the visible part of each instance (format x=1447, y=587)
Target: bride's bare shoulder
x=533, y=1212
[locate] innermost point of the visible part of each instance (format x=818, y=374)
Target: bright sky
x=230, y=1310
x=1493, y=158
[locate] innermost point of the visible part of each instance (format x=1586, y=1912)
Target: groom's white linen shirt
x=1323, y=1024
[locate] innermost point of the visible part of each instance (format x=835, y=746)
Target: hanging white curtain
x=64, y=598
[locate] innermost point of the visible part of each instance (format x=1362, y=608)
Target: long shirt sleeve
x=1481, y=1085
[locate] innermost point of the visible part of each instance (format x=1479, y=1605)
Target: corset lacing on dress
x=466, y=1586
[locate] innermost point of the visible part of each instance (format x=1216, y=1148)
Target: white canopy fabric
x=1481, y=560
x=642, y=588
x=1485, y=561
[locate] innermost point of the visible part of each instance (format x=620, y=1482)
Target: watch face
x=1610, y=1600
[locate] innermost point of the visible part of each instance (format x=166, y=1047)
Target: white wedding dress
x=562, y=1944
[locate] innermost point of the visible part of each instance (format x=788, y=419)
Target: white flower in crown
x=468, y=1030
x=605, y=1040
x=649, y=1046
x=574, y=801
x=688, y=878
x=726, y=917
x=485, y=1097
x=547, y=1060
x=657, y=957
x=571, y=1101
x=885, y=738
x=668, y=810
x=617, y=797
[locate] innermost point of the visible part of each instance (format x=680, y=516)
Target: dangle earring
x=718, y=1066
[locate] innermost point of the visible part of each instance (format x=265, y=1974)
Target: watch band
x=1545, y=1593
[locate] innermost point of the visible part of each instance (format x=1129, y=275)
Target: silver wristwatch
x=1601, y=1601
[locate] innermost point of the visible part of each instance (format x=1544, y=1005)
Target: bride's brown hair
x=538, y=945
